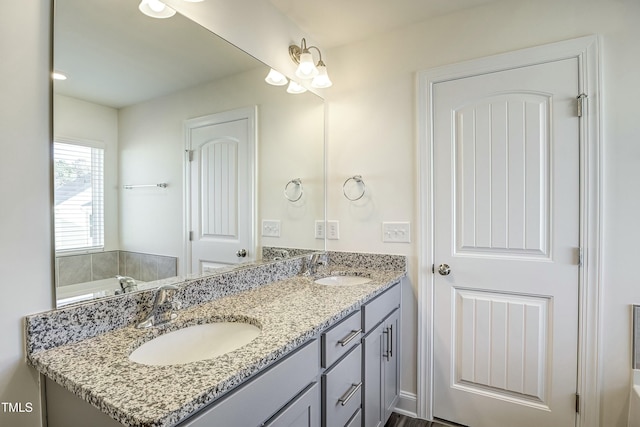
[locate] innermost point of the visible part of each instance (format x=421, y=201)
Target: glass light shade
x=322, y=80
x=295, y=88
x=276, y=78
x=306, y=68
x=156, y=9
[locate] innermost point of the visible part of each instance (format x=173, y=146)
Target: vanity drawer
x=342, y=385
x=341, y=338
x=254, y=402
x=377, y=309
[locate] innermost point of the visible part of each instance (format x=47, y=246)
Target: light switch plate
x=271, y=228
x=396, y=232
x=333, y=230
x=319, y=229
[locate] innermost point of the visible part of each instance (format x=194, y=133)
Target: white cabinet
x=381, y=358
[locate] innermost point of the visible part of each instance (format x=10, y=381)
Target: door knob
x=241, y=253
x=444, y=270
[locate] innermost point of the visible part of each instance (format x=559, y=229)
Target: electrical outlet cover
x=271, y=228
x=396, y=232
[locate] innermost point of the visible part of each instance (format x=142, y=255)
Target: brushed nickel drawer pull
x=387, y=353
x=350, y=393
x=346, y=340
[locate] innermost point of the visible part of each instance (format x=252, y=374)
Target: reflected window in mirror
x=78, y=196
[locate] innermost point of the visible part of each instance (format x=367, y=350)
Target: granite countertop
x=289, y=312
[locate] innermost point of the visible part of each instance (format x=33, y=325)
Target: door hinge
x=191, y=236
x=577, y=403
x=582, y=104
x=580, y=255
x=189, y=155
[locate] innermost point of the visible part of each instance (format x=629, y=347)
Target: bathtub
x=634, y=400
x=86, y=291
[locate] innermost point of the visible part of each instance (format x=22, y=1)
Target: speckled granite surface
x=95, y=365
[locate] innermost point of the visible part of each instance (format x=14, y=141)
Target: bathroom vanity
x=326, y=355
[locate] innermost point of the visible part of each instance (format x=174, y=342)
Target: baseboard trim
x=407, y=404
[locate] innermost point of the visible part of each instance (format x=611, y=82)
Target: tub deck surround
x=289, y=311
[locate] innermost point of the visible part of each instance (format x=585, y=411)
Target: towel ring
x=298, y=183
x=358, y=180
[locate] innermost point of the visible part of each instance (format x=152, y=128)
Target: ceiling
x=336, y=22
x=115, y=56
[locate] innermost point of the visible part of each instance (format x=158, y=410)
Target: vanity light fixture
x=307, y=69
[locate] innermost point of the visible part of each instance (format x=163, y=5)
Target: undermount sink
x=343, y=280
x=193, y=343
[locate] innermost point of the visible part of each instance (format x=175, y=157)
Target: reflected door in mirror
x=221, y=184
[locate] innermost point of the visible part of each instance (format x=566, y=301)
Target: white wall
x=26, y=243
x=81, y=120
x=26, y=264
x=372, y=131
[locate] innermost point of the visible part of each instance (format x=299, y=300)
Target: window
x=78, y=196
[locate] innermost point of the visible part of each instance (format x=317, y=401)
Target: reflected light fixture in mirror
x=295, y=88
x=58, y=75
x=157, y=9
x=276, y=78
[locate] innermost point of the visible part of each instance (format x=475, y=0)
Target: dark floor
x=403, y=421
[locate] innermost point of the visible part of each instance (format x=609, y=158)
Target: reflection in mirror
x=171, y=153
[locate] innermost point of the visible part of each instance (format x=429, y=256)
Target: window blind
x=79, y=196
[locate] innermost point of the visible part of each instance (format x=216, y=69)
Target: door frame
x=586, y=51
x=249, y=113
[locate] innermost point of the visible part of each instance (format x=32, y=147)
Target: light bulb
x=306, y=68
x=322, y=80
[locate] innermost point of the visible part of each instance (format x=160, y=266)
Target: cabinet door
x=391, y=364
x=373, y=347
x=304, y=411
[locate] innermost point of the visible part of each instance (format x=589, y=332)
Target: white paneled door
x=221, y=181
x=506, y=219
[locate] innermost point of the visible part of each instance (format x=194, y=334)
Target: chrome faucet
x=162, y=309
x=127, y=284
x=312, y=263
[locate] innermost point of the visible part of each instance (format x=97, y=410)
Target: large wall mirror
x=172, y=156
